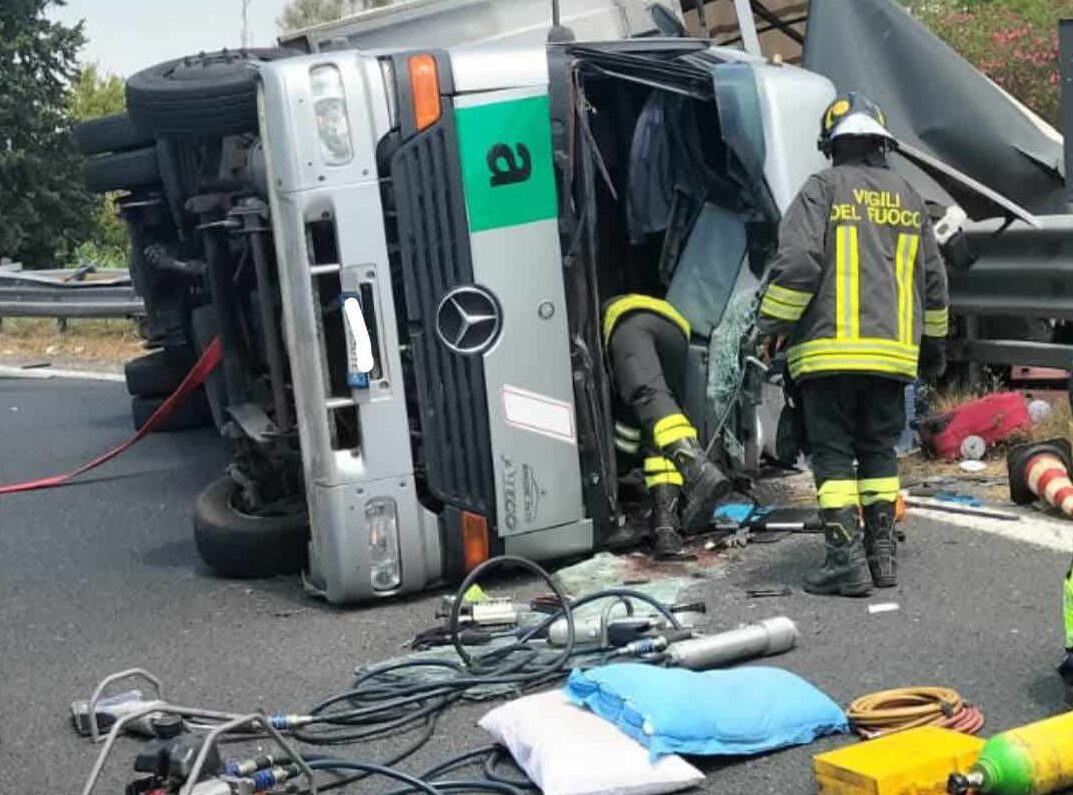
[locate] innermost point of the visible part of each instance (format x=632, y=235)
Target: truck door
x=509, y=184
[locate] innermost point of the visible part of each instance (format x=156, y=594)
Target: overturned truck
x=401, y=229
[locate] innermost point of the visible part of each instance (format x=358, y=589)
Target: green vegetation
x=45, y=210
x=93, y=95
x=300, y=14
x=1014, y=42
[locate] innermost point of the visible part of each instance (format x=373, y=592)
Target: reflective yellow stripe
x=879, y=366
x=673, y=429
x=661, y=471
x=899, y=276
x=838, y=493
x=656, y=464
x=627, y=432
x=784, y=295
x=936, y=322
x=875, y=490
x=668, y=479
x=865, y=345
x=629, y=448
x=910, y=297
x=847, y=289
x=840, y=282
x=854, y=353
x=863, y=355
x=776, y=309
x=631, y=303
x=854, y=284
x=905, y=262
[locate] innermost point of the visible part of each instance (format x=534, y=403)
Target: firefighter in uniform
x=859, y=292
x=647, y=341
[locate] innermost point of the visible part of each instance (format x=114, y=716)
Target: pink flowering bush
x=1014, y=42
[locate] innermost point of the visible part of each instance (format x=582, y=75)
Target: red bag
x=993, y=418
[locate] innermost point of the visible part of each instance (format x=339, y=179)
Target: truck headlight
x=333, y=124
x=382, y=524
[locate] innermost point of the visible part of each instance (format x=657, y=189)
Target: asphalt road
x=103, y=575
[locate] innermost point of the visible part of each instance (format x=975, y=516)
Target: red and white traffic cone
x=1041, y=471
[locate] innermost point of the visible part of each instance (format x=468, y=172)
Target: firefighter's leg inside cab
x=832, y=406
x=648, y=348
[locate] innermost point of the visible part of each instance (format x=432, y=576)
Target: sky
x=128, y=35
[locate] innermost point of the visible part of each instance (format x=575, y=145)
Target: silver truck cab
x=423, y=186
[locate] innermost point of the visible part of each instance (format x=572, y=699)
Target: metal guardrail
x=68, y=294
x=1022, y=273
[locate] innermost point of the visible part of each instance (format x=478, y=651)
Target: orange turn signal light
x=425, y=85
x=474, y=540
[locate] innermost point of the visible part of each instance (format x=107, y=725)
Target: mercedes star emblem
x=468, y=320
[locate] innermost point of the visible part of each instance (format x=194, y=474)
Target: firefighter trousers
x=853, y=423
x=649, y=355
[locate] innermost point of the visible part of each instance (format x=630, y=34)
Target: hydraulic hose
x=397, y=697
x=890, y=711
x=412, y=782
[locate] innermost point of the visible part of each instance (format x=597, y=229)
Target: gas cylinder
x=1031, y=760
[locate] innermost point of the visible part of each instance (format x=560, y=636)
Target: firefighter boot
x=666, y=527
x=705, y=484
x=880, y=544
x=845, y=569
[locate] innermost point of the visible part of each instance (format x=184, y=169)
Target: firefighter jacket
x=858, y=278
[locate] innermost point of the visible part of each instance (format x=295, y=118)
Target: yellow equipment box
x=913, y=762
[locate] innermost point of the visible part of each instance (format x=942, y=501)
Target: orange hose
x=889, y=711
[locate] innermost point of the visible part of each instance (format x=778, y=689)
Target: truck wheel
x=208, y=94
x=159, y=373
x=236, y=544
x=114, y=133
x=191, y=413
x=122, y=171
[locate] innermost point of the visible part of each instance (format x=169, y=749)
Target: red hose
x=195, y=378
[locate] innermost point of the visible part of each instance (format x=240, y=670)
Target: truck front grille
x=434, y=258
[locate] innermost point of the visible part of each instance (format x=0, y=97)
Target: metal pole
x=747, y=23
x=556, y=14
x=246, y=23
x=1065, y=38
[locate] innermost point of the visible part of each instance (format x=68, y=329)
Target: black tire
x=208, y=94
x=122, y=171
x=158, y=374
x=235, y=544
x=190, y=414
x=109, y=134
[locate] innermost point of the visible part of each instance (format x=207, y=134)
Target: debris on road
x=883, y=607
x=957, y=508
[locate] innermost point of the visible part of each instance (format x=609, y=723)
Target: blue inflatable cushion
x=736, y=712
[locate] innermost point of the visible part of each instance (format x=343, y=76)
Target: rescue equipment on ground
x=736, y=712
x=891, y=711
x=1031, y=760
x=911, y=762
x=993, y=418
x=771, y=636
